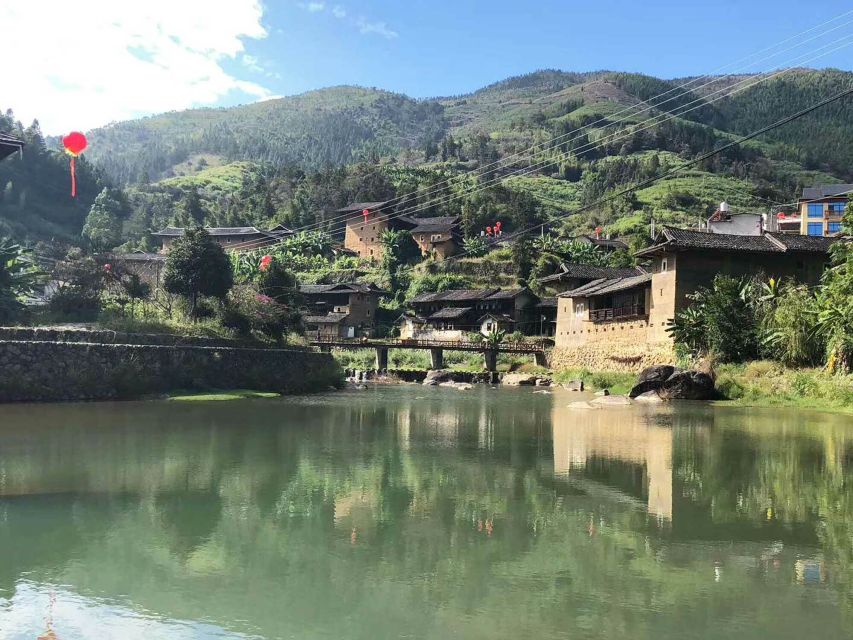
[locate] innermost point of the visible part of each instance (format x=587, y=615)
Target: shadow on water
x=424, y=513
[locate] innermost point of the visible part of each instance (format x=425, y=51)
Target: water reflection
x=425, y=513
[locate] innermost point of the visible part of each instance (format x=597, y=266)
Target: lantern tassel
x=73, y=179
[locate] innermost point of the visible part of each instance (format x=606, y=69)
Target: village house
x=147, y=266
x=230, y=238
x=437, y=237
x=821, y=207
x=363, y=233
x=9, y=145
x=623, y=321
x=606, y=244
x=570, y=276
x=453, y=314
x=345, y=310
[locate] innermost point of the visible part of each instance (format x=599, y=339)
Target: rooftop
x=606, y=243
x=568, y=270
x=435, y=225
x=604, y=286
x=9, y=145
x=450, y=313
x=826, y=191
x=672, y=238
x=341, y=287
x=329, y=318
x=500, y=317
x=214, y=231
x=361, y=206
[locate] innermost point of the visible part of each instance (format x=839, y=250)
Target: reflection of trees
x=314, y=523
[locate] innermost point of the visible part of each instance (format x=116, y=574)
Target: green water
x=410, y=512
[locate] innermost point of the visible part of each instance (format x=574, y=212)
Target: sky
x=82, y=64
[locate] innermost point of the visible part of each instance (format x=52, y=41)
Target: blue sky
x=141, y=58
x=441, y=47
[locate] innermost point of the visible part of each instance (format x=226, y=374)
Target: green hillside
x=297, y=159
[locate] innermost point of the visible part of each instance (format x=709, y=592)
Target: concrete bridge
x=436, y=349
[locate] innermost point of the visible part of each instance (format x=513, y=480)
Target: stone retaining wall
x=103, y=336
x=58, y=371
x=611, y=357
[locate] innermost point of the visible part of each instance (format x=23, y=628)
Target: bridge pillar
x=540, y=359
x=325, y=349
x=491, y=358
x=381, y=358
x=436, y=358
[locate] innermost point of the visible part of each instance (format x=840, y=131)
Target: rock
x=464, y=386
x=649, y=397
x=574, y=385
x=603, y=392
x=517, y=379
x=435, y=376
x=611, y=401
x=656, y=373
x=651, y=379
x=544, y=392
x=582, y=405
x=543, y=382
x=688, y=385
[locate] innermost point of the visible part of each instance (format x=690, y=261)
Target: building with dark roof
x=571, y=276
x=450, y=315
x=438, y=237
x=630, y=314
x=230, y=238
x=607, y=245
x=343, y=310
x=821, y=207
x=363, y=233
x=9, y=145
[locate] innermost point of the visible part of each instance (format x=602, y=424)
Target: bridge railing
x=450, y=345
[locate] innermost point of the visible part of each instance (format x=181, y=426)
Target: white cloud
x=129, y=59
x=379, y=28
x=339, y=12
x=312, y=7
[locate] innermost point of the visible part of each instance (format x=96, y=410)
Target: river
x=412, y=512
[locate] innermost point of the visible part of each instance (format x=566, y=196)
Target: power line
x=681, y=167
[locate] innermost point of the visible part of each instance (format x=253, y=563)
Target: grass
x=215, y=395
x=769, y=384
x=615, y=381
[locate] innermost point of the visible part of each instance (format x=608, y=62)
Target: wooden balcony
x=617, y=313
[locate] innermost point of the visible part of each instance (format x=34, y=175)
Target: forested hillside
x=295, y=160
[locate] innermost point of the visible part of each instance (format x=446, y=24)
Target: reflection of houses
x=636, y=310
x=230, y=238
x=344, y=310
x=821, y=207
x=570, y=276
x=437, y=237
x=449, y=315
x=605, y=439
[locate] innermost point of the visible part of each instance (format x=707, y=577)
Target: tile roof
x=674, y=238
x=361, y=206
x=214, y=231
x=500, y=317
x=604, y=286
x=139, y=256
x=610, y=243
x=355, y=287
x=508, y=294
x=435, y=225
x=826, y=191
x=547, y=302
x=9, y=145
x=454, y=295
x=329, y=318
x=449, y=313
x=568, y=270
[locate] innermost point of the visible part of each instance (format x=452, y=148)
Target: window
x=815, y=210
x=663, y=266
x=371, y=252
x=580, y=307
x=834, y=227
x=836, y=208
x=815, y=228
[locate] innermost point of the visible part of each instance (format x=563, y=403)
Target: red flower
x=266, y=261
x=108, y=267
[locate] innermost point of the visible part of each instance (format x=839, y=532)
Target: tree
x=18, y=276
x=196, y=265
x=398, y=248
x=835, y=303
x=522, y=259
x=103, y=224
x=191, y=211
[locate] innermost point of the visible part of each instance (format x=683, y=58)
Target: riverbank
x=47, y=366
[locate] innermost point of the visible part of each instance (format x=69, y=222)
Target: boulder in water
x=688, y=385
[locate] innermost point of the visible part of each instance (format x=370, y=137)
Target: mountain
x=297, y=159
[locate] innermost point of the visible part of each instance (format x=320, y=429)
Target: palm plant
x=494, y=338
x=19, y=275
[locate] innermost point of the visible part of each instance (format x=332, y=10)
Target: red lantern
x=598, y=232
x=75, y=143
x=780, y=215
x=365, y=213
x=498, y=228
x=488, y=231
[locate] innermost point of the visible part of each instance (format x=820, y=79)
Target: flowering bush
x=248, y=310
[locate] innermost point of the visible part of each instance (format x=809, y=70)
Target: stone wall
x=613, y=356
x=58, y=371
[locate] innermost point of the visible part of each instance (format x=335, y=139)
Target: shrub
x=82, y=281
x=790, y=332
x=246, y=307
